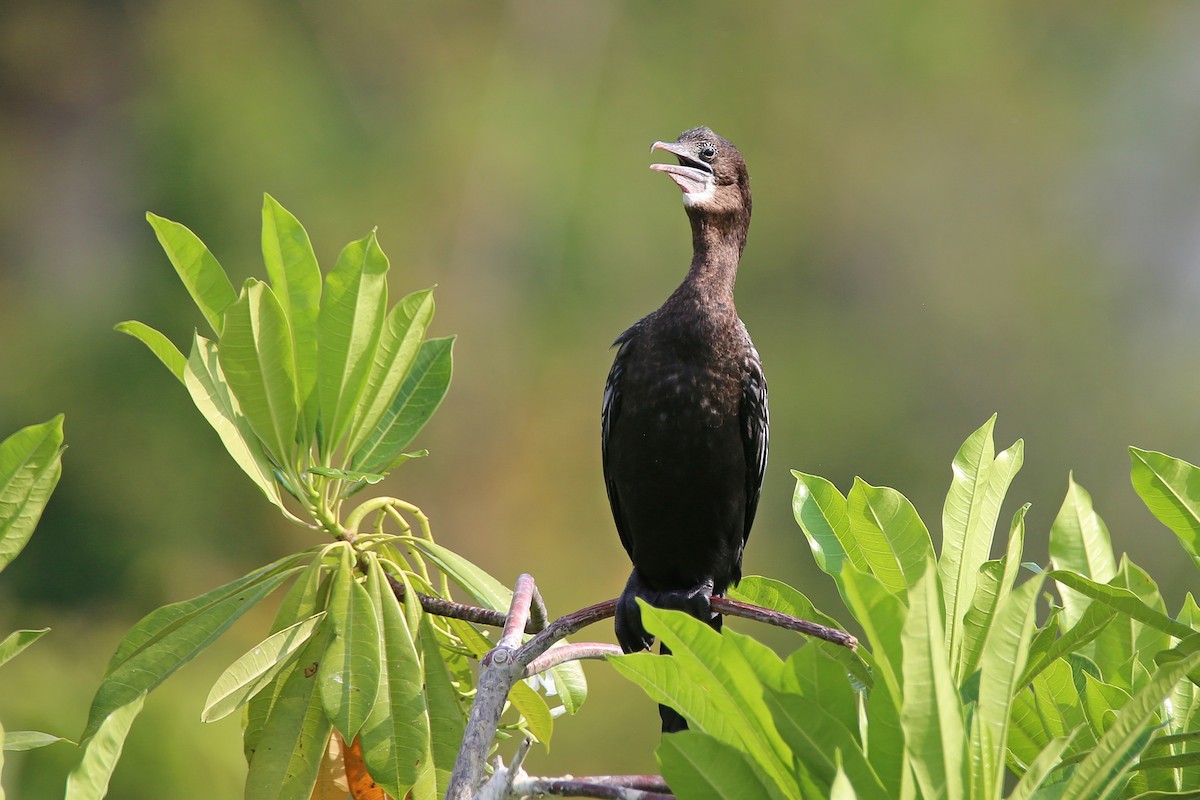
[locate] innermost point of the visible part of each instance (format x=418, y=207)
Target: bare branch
x=570, y=652
x=518, y=610
x=583, y=787
x=736, y=608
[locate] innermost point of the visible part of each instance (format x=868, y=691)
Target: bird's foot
x=694, y=600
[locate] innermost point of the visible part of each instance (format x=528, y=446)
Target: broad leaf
x=30, y=466
x=89, y=779
x=158, y=344
x=821, y=511
x=28, y=740
x=485, y=589
x=894, y=541
x=932, y=713
x=395, y=736
x=249, y=674
x=296, y=282
x=171, y=636
x=204, y=278
x=778, y=596
x=1035, y=776
x=288, y=752
x=350, y=668
x=17, y=641
x=1005, y=653
x=981, y=479
x=446, y=718
x=1170, y=488
x=815, y=736
x=419, y=396
x=698, y=767
x=399, y=343
x=256, y=356
x=210, y=392
x=348, y=329
x=1079, y=541
x=1122, y=600
x=1102, y=773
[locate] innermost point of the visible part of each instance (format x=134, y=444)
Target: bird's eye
x=708, y=153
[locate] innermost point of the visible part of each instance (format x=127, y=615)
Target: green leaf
x=815, y=737
x=778, y=596
x=1095, y=617
x=158, y=344
x=419, y=397
x=288, y=753
x=206, y=382
x=822, y=513
x=723, y=697
x=486, y=590
x=169, y=637
x=308, y=595
x=1035, y=776
x=981, y=479
x=30, y=466
x=931, y=714
x=399, y=343
x=1101, y=703
x=893, y=539
x=842, y=789
x=698, y=767
x=347, y=475
x=1079, y=541
x=1102, y=773
x=348, y=330
x=89, y=779
x=1170, y=488
x=1123, y=601
x=1125, y=648
x=395, y=736
x=249, y=674
x=296, y=282
x=570, y=685
x=1005, y=652
x=28, y=740
x=350, y=669
x=978, y=620
x=204, y=278
x=1049, y=709
x=534, y=710
x=446, y=717
x=17, y=641
x=882, y=615
x=256, y=356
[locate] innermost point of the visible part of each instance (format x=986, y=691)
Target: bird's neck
x=717, y=244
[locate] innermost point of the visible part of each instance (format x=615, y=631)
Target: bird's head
x=711, y=172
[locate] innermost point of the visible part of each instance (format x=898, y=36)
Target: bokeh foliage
x=958, y=209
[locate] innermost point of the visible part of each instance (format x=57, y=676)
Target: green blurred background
x=960, y=208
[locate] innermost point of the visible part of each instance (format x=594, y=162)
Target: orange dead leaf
x=362, y=785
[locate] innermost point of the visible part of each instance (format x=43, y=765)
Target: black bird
x=684, y=423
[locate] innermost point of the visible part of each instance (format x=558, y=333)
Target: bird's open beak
x=692, y=176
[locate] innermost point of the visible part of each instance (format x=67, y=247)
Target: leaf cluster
x=316, y=388
x=962, y=691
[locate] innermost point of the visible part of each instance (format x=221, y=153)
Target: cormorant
x=684, y=422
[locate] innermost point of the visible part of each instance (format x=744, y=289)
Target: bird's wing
x=756, y=424
x=609, y=413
